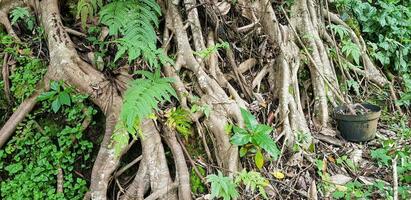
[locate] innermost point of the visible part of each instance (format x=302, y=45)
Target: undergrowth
x=32, y=158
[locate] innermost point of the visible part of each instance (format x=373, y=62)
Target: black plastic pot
x=360, y=127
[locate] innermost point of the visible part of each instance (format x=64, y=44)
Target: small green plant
x=253, y=181
x=41, y=147
x=197, y=186
x=254, y=137
x=29, y=70
x=352, y=190
x=58, y=96
x=204, y=109
x=23, y=14
x=222, y=186
x=87, y=9
x=179, y=119
x=344, y=161
x=205, y=53
x=351, y=51
x=143, y=96
x=302, y=141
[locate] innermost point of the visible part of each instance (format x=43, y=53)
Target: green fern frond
x=20, y=13
x=135, y=22
x=87, y=9
x=143, y=96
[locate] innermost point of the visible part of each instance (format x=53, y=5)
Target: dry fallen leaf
x=356, y=156
x=312, y=191
x=340, y=179
x=223, y=7
x=278, y=175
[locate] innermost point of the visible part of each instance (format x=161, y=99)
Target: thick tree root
x=153, y=172
x=211, y=94
x=18, y=116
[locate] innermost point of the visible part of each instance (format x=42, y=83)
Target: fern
x=135, y=21
x=87, y=9
x=351, y=50
x=179, y=119
x=143, y=96
x=140, y=99
x=20, y=13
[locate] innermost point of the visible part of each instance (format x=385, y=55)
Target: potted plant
x=357, y=122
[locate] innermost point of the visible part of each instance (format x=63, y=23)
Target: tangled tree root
x=153, y=179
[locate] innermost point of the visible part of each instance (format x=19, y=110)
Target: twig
x=122, y=170
x=74, y=32
x=395, y=178
x=192, y=162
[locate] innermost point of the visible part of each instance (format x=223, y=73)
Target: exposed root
x=18, y=116
x=370, y=71
x=4, y=20
x=183, y=177
x=214, y=96
x=284, y=74
x=60, y=180
x=153, y=170
x=6, y=81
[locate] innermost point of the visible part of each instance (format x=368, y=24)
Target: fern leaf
x=87, y=9
x=135, y=22
x=143, y=96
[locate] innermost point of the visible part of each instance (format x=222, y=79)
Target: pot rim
x=374, y=113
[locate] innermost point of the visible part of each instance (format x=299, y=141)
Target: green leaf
x=351, y=50
x=55, y=105
x=54, y=85
x=243, y=151
x=46, y=95
x=249, y=119
x=240, y=139
x=338, y=194
x=263, y=129
x=64, y=98
x=259, y=159
x=267, y=143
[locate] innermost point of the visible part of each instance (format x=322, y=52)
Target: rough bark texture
x=153, y=178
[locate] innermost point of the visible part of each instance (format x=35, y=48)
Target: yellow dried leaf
x=278, y=175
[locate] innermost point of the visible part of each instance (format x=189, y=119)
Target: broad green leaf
x=240, y=139
x=259, y=159
x=267, y=143
x=55, y=105
x=64, y=98
x=249, y=119
x=262, y=128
